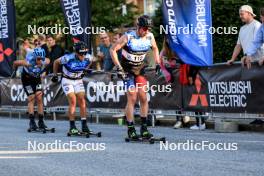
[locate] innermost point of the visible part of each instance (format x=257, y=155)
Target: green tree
x=45, y=13
x=109, y=14
x=40, y=13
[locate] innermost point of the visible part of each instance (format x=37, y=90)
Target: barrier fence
x=221, y=88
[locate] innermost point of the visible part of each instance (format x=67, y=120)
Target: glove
x=121, y=74
x=55, y=79
x=158, y=69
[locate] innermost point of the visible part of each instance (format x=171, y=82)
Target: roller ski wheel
x=76, y=132
x=98, y=134
x=151, y=140
x=140, y=140
x=52, y=130
x=36, y=130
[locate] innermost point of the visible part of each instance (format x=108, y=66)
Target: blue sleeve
x=29, y=57
x=64, y=59
x=257, y=43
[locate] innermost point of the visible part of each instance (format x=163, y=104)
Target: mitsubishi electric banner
x=187, y=24
x=7, y=37
x=226, y=89
x=78, y=16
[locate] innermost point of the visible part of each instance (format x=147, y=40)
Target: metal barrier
x=154, y=114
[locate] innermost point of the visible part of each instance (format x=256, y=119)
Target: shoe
x=144, y=132
x=195, y=127
x=41, y=124
x=85, y=129
x=131, y=132
x=33, y=125
x=74, y=131
x=257, y=122
x=202, y=127
x=178, y=125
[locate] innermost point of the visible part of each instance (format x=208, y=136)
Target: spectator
x=257, y=44
x=104, y=52
x=199, y=115
x=115, y=39
x=253, y=49
x=54, y=52
x=247, y=33
x=168, y=59
x=42, y=40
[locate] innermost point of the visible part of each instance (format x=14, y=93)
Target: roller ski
x=145, y=136
x=86, y=132
x=40, y=128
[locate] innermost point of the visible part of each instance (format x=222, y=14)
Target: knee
x=39, y=98
x=82, y=103
x=132, y=100
x=31, y=99
x=72, y=102
x=143, y=98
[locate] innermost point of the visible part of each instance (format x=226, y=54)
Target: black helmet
x=144, y=21
x=80, y=48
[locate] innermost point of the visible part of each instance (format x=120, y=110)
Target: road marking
x=7, y=152
x=251, y=141
x=19, y=157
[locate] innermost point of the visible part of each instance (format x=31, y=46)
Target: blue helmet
x=80, y=48
x=39, y=53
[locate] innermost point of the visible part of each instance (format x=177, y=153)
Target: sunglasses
x=145, y=28
x=39, y=58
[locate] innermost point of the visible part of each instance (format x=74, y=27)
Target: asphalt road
x=111, y=155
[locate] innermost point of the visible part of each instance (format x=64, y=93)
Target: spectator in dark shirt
x=54, y=52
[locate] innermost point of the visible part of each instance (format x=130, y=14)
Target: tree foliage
x=46, y=13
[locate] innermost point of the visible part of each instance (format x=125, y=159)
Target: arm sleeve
x=257, y=43
x=64, y=60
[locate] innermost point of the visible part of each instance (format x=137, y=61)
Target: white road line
x=19, y=157
x=7, y=152
x=251, y=142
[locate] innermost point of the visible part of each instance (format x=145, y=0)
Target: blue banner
x=78, y=17
x=7, y=37
x=188, y=27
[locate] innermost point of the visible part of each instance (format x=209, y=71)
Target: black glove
x=121, y=73
x=55, y=78
x=158, y=69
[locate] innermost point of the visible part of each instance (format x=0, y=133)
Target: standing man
x=104, y=52
x=247, y=34
x=55, y=52
x=257, y=44
x=33, y=67
x=73, y=67
x=135, y=45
